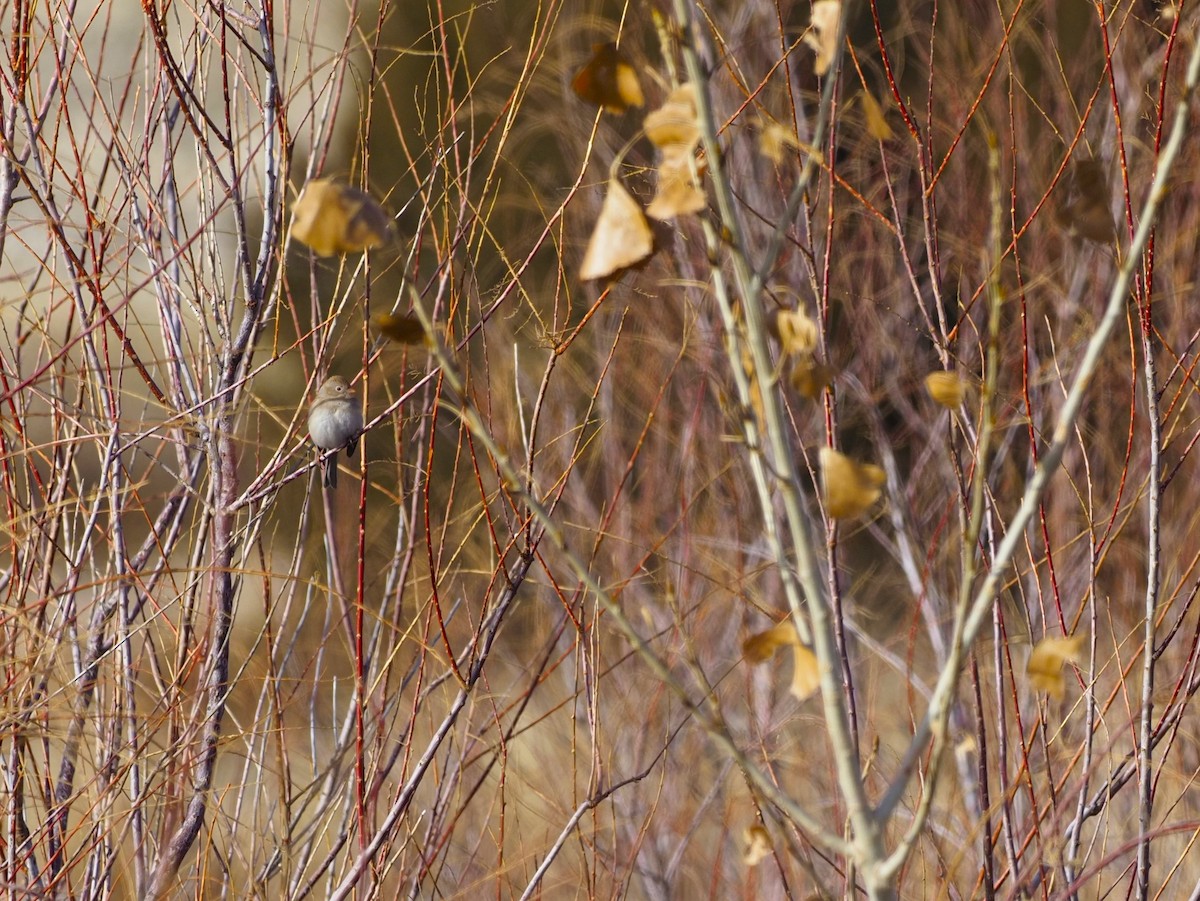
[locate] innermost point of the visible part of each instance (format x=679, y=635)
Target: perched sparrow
x=335, y=421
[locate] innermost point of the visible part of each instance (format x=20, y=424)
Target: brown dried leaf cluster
x=798, y=339
x=622, y=237
x=675, y=131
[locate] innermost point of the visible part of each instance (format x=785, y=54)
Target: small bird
x=335, y=421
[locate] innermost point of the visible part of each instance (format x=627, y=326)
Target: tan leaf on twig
x=621, y=238
x=850, y=488
x=946, y=388
x=877, y=124
x=677, y=192
x=822, y=36
x=806, y=673
x=1047, y=660
x=756, y=398
x=762, y=646
x=609, y=80
x=333, y=218
x=797, y=333
x=774, y=140
x=809, y=378
x=757, y=845
x=673, y=128
x=400, y=329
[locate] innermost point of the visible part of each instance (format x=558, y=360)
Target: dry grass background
x=220, y=682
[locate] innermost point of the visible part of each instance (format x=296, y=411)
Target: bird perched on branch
x=335, y=421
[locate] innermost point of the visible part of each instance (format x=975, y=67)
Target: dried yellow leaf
x=401, y=329
x=850, y=487
x=758, y=845
x=762, y=646
x=797, y=333
x=756, y=403
x=877, y=126
x=333, y=218
x=946, y=388
x=629, y=86
x=609, y=80
x=806, y=673
x=675, y=131
x=822, y=36
x=673, y=126
x=966, y=746
x=677, y=192
x=774, y=140
x=809, y=378
x=621, y=238
x=1047, y=659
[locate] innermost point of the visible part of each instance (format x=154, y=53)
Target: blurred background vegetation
x=221, y=681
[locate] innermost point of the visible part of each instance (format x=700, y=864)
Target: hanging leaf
x=673, y=127
x=822, y=36
x=761, y=646
x=675, y=131
x=621, y=238
x=756, y=398
x=401, y=329
x=946, y=388
x=774, y=141
x=333, y=218
x=809, y=378
x=877, y=125
x=966, y=746
x=1047, y=660
x=678, y=192
x=797, y=333
x=757, y=843
x=609, y=80
x=806, y=674
x=850, y=488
